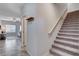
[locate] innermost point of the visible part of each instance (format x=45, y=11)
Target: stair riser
x=72, y=19
x=67, y=51
x=70, y=25
x=70, y=32
x=77, y=36
x=73, y=40
x=66, y=44
x=70, y=22
x=69, y=28
x=54, y=53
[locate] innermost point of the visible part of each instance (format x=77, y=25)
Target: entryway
x=11, y=45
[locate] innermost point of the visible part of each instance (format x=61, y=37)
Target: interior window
x=10, y=28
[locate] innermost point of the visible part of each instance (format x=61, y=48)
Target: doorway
x=11, y=46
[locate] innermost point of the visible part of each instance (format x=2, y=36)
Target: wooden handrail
x=49, y=33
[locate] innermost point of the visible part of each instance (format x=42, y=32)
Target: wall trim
x=62, y=17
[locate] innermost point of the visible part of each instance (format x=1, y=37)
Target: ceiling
x=11, y=9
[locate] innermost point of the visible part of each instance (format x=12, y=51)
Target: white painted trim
x=24, y=34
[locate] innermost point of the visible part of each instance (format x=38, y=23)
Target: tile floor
x=11, y=47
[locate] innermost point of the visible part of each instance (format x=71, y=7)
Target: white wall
x=46, y=17
x=52, y=13
x=11, y=9
x=30, y=10
x=73, y=7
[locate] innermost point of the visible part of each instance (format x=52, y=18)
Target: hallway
x=37, y=25
x=11, y=47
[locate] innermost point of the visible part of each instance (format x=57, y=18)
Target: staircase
x=67, y=40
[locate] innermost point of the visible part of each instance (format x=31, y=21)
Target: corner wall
x=46, y=16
